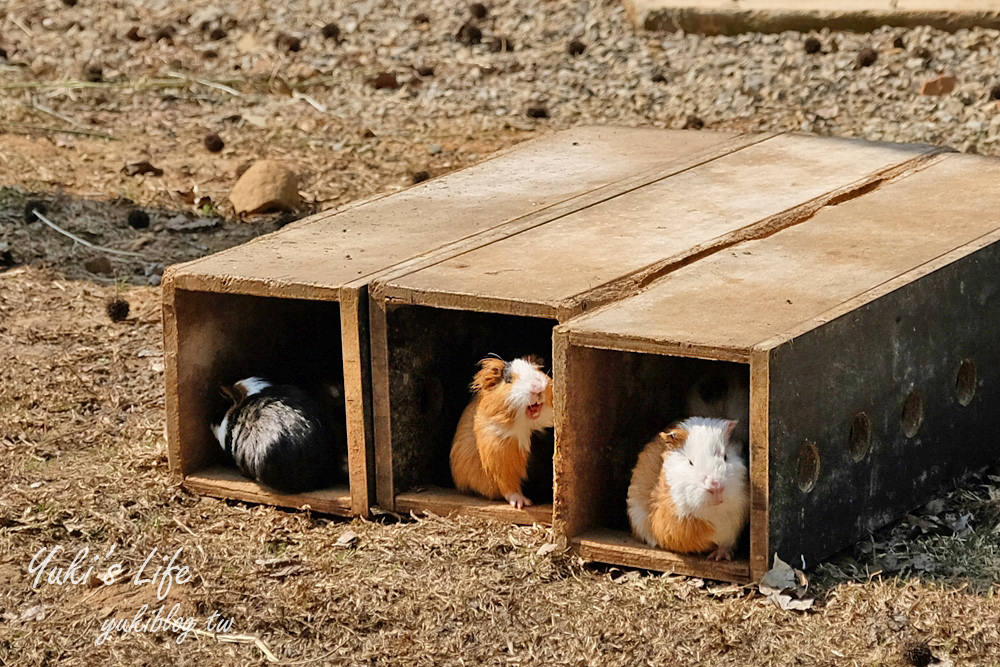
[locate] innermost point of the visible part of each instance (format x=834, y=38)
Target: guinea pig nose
x=714, y=486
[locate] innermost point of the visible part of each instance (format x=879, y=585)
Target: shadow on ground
x=140, y=242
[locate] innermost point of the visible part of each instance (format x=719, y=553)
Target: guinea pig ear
x=535, y=360
x=731, y=425
x=673, y=438
x=227, y=392
x=489, y=375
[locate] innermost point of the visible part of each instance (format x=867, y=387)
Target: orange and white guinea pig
x=489, y=453
x=689, y=490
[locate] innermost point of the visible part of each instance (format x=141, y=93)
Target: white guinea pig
x=689, y=490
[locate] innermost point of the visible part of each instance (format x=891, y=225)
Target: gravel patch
x=581, y=61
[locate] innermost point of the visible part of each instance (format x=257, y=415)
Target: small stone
x=575, y=47
x=478, y=10
x=693, y=122
x=288, y=42
x=469, y=34
x=501, y=45
x=164, y=33
x=100, y=265
x=899, y=43
x=138, y=219
x=434, y=149
x=537, y=112
x=6, y=258
x=217, y=34
x=93, y=73
x=140, y=168
x=421, y=18
x=812, y=45
x=940, y=85
x=214, y=143
x=268, y=185
x=918, y=654
x=331, y=31
x=866, y=57
x=384, y=80
x=420, y=176
x=117, y=309
x=33, y=205
x=154, y=280
x=133, y=34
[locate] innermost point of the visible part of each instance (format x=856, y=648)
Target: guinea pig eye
x=690, y=463
x=725, y=457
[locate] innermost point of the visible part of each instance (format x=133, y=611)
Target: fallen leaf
x=923, y=563
x=780, y=577
x=347, y=539
x=959, y=524
x=35, y=613
x=626, y=577
x=546, y=549
x=140, y=168
x=925, y=525
x=785, y=586
x=828, y=112
x=181, y=223
x=935, y=506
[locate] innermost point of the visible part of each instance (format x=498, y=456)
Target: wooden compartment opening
x=613, y=404
x=228, y=337
x=433, y=355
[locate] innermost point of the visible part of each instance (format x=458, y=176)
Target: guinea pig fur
x=281, y=436
x=489, y=453
x=689, y=490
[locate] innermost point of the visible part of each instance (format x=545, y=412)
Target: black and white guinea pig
x=281, y=436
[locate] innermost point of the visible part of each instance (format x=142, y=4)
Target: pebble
x=267, y=185
x=434, y=149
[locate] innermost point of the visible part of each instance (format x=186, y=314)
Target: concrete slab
x=731, y=17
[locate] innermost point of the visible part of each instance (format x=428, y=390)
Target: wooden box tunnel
x=431, y=323
x=868, y=334
x=293, y=305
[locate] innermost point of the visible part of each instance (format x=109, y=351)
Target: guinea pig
x=689, y=490
x=281, y=436
x=492, y=443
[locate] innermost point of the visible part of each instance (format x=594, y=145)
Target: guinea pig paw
x=721, y=553
x=518, y=500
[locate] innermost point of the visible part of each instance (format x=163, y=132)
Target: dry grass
x=82, y=452
x=83, y=456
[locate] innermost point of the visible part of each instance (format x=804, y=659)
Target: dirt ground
x=83, y=454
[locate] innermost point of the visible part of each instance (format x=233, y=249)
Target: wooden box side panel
x=578, y=468
x=220, y=338
x=854, y=374
x=354, y=324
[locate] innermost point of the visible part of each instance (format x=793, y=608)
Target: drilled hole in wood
x=861, y=436
x=965, y=382
x=913, y=414
x=808, y=466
